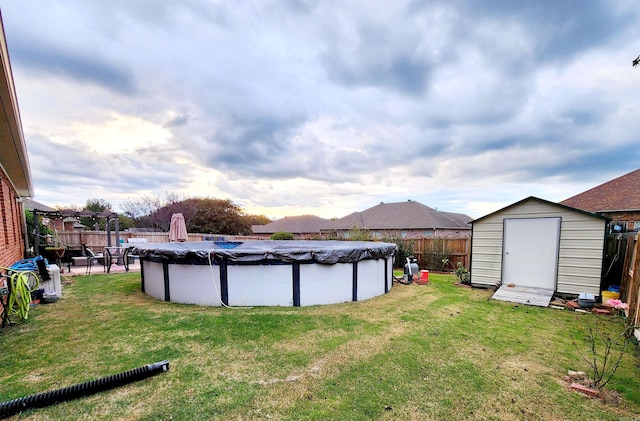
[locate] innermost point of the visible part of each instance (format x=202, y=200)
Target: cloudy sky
x=326, y=107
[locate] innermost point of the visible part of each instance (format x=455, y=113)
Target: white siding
x=580, y=254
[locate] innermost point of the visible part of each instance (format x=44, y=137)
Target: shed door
x=530, y=252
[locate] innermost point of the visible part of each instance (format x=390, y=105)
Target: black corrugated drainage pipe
x=42, y=399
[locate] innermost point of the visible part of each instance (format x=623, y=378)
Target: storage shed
x=535, y=244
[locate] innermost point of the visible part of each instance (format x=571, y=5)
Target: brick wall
x=11, y=228
x=629, y=217
x=418, y=234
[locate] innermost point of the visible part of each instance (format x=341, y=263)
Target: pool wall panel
x=260, y=285
x=154, y=280
x=370, y=279
x=325, y=284
x=195, y=284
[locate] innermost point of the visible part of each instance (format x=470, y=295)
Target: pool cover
x=285, y=251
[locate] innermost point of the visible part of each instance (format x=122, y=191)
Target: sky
x=300, y=107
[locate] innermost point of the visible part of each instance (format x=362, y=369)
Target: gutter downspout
x=36, y=236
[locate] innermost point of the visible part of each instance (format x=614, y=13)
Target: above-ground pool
x=266, y=273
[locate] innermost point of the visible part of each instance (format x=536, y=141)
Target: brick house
x=408, y=219
x=68, y=223
x=618, y=199
x=15, y=173
x=302, y=227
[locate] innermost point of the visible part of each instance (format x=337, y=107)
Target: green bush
x=463, y=275
x=403, y=251
x=359, y=234
x=437, y=254
x=281, y=235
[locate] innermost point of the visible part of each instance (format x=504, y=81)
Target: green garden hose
x=20, y=291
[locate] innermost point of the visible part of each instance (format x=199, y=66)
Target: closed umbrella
x=178, y=228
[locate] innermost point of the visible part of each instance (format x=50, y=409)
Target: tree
x=141, y=207
x=161, y=217
x=153, y=211
x=202, y=216
x=96, y=206
x=73, y=208
x=124, y=222
x=258, y=219
x=220, y=216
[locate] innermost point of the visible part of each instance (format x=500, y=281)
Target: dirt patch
x=580, y=383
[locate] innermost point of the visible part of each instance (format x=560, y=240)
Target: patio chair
x=131, y=243
x=116, y=255
x=91, y=257
x=66, y=259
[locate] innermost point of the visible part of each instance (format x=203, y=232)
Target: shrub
x=436, y=254
x=281, y=235
x=604, y=352
x=405, y=249
x=359, y=234
x=463, y=274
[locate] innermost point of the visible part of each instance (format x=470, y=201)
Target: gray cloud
x=559, y=29
x=58, y=166
x=397, y=99
x=46, y=59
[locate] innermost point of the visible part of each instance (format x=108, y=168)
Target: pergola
x=65, y=213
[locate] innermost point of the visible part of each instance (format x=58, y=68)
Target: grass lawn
x=428, y=352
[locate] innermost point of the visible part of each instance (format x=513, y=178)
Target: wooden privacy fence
x=431, y=252
x=98, y=239
x=630, y=282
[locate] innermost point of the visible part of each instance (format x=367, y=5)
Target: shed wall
x=580, y=250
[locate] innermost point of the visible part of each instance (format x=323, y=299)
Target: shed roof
x=619, y=194
x=537, y=199
x=402, y=215
x=302, y=224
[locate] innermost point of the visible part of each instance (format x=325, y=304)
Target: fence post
x=467, y=253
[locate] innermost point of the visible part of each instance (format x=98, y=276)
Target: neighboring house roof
x=30, y=204
x=620, y=194
x=402, y=215
x=13, y=152
x=536, y=199
x=76, y=223
x=303, y=224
